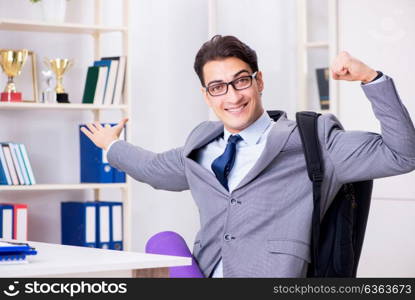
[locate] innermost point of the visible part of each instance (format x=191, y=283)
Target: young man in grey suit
x=247, y=173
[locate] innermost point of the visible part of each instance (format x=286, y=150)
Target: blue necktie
x=223, y=164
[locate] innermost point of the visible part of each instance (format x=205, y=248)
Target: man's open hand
x=103, y=136
x=346, y=67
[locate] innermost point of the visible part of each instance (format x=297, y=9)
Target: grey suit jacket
x=266, y=231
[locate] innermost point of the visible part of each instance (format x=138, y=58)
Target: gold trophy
x=12, y=62
x=59, y=66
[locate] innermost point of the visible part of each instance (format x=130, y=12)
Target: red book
x=19, y=221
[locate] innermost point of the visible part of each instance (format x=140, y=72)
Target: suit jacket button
x=227, y=237
x=233, y=201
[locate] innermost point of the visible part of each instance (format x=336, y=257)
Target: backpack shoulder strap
x=307, y=127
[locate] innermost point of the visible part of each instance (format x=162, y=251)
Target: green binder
x=90, y=85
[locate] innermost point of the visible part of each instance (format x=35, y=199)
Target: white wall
x=167, y=105
x=382, y=34
x=269, y=28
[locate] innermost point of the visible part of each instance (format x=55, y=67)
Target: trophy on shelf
x=48, y=95
x=59, y=66
x=12, y=62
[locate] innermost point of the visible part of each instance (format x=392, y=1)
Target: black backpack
x=337, y=241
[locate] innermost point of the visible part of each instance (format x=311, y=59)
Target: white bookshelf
x=305, y=46
x=30, y=26
x=59, y=106
x=96, y=30
x=317, y=45
x=63, y=187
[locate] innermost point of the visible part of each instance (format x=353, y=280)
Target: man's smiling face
x=237, y=109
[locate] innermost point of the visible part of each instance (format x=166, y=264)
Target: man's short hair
x=220, y=47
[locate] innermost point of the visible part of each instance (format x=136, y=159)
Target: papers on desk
x=11, y=253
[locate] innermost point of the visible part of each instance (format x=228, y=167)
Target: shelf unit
x=60, y=106
x=212, y=31
x=63, y=187
x=305, y=46
x=30, y=26
x=96, y=30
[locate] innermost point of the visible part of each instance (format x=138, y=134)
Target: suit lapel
x=276, y=140
x=205, y=135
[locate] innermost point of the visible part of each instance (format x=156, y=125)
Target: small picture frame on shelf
x=33, y=95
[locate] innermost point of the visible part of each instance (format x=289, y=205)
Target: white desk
x=55, y=260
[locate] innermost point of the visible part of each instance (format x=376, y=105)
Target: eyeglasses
x=241, y=83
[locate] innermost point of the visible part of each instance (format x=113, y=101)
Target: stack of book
x=13, y=221
x=15, y=168
x=105, y=81
x=11, y=253
x=92, y=224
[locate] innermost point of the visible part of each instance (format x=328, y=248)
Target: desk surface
x=55, y=259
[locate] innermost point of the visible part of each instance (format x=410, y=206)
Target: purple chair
x=171, y=243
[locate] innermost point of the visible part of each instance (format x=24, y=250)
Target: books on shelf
x=95, y=224
x=120, y=62
x=13, y=221
x=322, y=75
x=101, y=85
x=78, y=224
x=15, y=167
x=6, y=221
x=94, y=165
x=19, y=221
x=105, y=81
x=111, y=76
x=90, y=85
